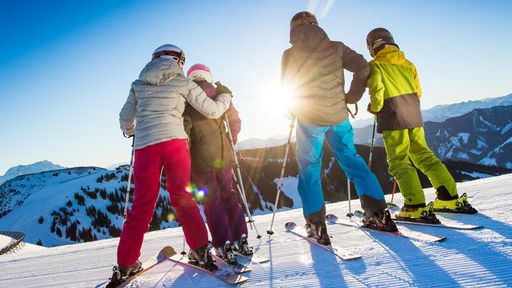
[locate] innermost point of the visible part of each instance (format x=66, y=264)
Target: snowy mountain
x=261, y=169
x=472, y=258
x=29, y=169
x=439, y=113
x=72, y=205
x=253, y=143
x=87, y=203
x=481, y=136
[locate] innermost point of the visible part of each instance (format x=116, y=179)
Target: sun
x=281, y=96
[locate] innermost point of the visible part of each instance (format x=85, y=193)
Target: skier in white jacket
x=153, y=114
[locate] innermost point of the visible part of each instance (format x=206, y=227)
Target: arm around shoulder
x=212, y=109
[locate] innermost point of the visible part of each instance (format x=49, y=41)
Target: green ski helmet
x=302, y=18
x=377, y=39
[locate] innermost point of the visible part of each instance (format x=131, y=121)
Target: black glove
x=354, y=95
x=350, y=98
x=369, y=109
x=221, y=89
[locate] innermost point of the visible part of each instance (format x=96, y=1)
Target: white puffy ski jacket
x=155, y=105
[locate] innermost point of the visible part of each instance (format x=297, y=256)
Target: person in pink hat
x=212, y=158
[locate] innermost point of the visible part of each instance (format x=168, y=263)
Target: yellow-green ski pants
x=410, y=143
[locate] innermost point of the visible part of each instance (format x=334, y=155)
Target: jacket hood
x=311, y=36
x=160, y=71
x=391, y=54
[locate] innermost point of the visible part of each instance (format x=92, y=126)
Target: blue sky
x=66, y=66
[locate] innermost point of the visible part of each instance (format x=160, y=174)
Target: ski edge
x=331, y=248
x=238, y=269
x=162, y=255
x=414, y=235
x=254, y=258
x=441, y=225
x=229, y=279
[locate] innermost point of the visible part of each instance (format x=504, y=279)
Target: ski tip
x=331, y=218
x=166, y=252
x=235, y=279
x=290, y=226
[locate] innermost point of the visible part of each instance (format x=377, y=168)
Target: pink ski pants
x=174, y=156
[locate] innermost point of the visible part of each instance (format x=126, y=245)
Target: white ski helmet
x=170, y=50
x=200, y=72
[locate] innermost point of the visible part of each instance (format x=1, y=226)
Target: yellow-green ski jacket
x=394, y=91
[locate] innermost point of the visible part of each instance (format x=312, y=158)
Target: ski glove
x=352, y=98
x=369, y=109
x=129, y=131
x=221, y=89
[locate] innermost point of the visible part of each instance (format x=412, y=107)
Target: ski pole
x=183, y=250
x=241, y=189
x=242, y=196
x=280, y=183
x=394, y=189
x=349, y=214
x=128, y=188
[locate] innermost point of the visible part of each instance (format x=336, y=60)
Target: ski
x=237, y=268
x=225, y=274
x=444, y=224
x=403, y=232
x=253, y=258
x=164, y=253
x=341, y=253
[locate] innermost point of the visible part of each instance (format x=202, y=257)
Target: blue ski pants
x=310, y=139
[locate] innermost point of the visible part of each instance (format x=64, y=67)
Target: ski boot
x=380, y=220
x=122, y=273
x=243, y=246
x=418, y=213
x=457, y=205
x=318, y=231
x=227, y=253
x=201, y=257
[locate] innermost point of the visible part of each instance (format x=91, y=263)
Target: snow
x=290, y=189
x=488, y=161
x=506, y=128
x=476, y=174
x=490, y=125
x=29, y=169
x=464, y=136
x=4, y=241
x=472, y=258
x=462, y=155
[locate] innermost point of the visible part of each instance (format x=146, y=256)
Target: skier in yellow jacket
x=395, y=99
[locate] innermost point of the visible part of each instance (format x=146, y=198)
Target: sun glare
x=282, y=97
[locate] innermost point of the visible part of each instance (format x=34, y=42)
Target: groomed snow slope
x=476, y=258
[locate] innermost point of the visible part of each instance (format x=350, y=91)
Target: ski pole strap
x=127, y=136
x=353, y=115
